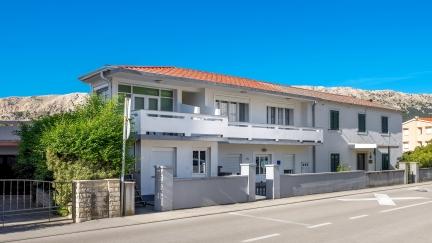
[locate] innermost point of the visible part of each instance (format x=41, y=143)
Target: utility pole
x=126, y=134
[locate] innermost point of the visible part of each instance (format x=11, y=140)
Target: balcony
x=187, y=124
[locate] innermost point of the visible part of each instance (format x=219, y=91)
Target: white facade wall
x=182, y=160
x=278, y=153
x=334, y=141
x=205, y=96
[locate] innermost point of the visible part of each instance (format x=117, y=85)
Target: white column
x=249, y=170
x=272, y=181
x=164, y=185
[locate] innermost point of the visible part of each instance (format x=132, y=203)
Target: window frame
x=201, y=167
x=128, y=90
x=241, y=111
x=337, y=125
x=361, y=123
x=280, y=116
x=386, y=130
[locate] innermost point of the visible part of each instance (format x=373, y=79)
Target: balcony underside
x=225, y=140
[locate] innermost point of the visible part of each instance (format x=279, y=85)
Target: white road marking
x=404, y=207
x=318, y=225
x=382, y=199
x=270, y=219
x=261, y=237
x=358, y=217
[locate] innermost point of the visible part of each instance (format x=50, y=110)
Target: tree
x=87, y=143
x=82, y=144
x=422, y=154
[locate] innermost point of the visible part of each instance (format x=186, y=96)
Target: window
x=145, y=98
x=420, y=131
x=405, y=146
x=334, y=120
x=428, y=130
x=420, y=143
x=361, y=122
x=385, y=162
x=280, y=116
x=406, y=132
x=334, y=162
x=199, y=162
x=235, y=111
x=384, y=124
x=102, y=93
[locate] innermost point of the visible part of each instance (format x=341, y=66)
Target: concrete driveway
x=394, y=215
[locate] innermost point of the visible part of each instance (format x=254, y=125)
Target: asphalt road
x=403, y=215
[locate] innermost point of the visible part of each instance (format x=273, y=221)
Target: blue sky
x=46, y=45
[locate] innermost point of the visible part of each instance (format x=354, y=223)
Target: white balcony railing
x=197, y=124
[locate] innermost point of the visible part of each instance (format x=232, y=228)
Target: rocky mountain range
x=30, y=107
x=25, y=108
x=411, y=104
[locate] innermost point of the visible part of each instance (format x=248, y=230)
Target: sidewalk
x=153, y=217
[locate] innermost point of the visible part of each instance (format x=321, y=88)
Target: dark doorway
x=334, y=162
x=361, y=161
x=7, y=163
x=385, y=162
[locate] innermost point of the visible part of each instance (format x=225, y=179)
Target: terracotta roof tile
x=253, y=84
x=428, y=119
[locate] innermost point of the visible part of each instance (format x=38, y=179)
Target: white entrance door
x=261, y=160
x=159, y=156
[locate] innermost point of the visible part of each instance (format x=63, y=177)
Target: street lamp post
x=126, y=134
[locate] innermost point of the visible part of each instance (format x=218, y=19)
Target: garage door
x=159, y=156
x=231, y=163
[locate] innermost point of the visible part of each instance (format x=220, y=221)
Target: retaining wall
x=425, y=174
x=199, y=192
x=305, y=184
x=385, y=178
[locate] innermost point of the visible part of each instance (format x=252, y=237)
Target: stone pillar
x=129, y=198
x=95, y=199
x=249, y=170
x=415, y=169
x=164, y=186
x=272, y=181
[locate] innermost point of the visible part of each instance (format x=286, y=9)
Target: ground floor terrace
x=203, y=158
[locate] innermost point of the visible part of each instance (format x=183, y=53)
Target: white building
x=206, y=124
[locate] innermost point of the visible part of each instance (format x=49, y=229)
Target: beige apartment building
x=417, y=132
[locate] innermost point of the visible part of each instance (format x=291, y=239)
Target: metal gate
x=26, y=201
x=260, y=188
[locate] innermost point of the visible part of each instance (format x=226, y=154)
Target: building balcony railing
x=187, y=124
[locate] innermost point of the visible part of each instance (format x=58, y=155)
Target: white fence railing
x=198, y=124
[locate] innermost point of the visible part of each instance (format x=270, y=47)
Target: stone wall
x=425, y=174
x=95, y=199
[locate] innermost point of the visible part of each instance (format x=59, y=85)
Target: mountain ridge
x=31, y=107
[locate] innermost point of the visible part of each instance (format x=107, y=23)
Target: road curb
x=251, y=207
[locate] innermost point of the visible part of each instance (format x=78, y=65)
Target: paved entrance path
x=353, y=216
